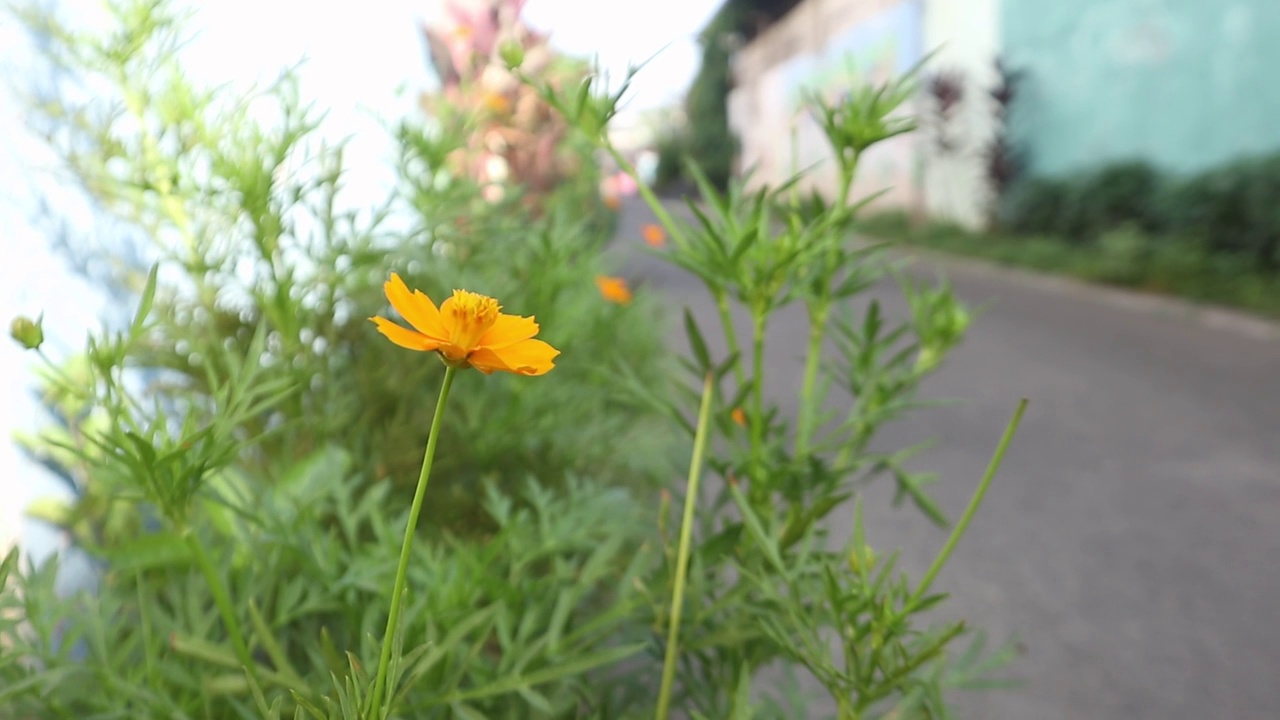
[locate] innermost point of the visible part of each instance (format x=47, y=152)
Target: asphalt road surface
x=1131, y=542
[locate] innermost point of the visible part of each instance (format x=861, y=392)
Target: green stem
x=846, y=183
x=819, y=311
x=757, y=394
x=817, y=331
x=682, y=552
x=222, y=599
x=402, y=570
x=730, y=335
x=969, y=511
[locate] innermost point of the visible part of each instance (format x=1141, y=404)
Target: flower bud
x=29, y=333
x=512, y=53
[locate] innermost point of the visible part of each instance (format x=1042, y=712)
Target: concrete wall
x=816, y=46
x=824, y=45
x=964, y=36
x=1183, y=83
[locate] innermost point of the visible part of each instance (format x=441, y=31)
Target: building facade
x=1179, y=83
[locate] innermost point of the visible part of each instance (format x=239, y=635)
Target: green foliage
x=1039, y=205
x=1228, y=209
x=867, y=118
x=511, y=628
x=671, y=154
x=1082, y=208
x=247, y=242
x=1119, y=194
x=708, y=141
x=760, y=566
x=1232, y=210
x=1162, y=263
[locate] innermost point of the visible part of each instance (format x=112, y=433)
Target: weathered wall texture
x=824, y=46
x=827, y=45
x=1182, y=83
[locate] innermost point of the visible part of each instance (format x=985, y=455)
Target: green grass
x=1123, y=257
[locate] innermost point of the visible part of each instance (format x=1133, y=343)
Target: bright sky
x=369, y=54
x=364, y=61
x=619, y=33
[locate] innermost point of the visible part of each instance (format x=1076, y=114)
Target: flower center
x=473, y=315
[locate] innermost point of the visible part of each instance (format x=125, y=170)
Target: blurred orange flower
x=739, y=416
x=497, y=103
x=654, y=235
x=466, y=331
x=614, y=289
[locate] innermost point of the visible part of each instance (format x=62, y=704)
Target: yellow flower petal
x=528, y=357
x=467, y=330
x=415, y=307
x=404, y=337
x=508, y=329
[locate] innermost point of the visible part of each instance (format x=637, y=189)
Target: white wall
x=809, y=46
x=776, y=141
x=966, y=37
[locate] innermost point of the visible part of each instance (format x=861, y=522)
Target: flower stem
x=682, y=552
x=969, y=511
x=730, y=335
x=757, y=420
x=397, y=590
x=817, y=332
x=222, y=599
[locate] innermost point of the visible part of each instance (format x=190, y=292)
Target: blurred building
x=1180, y=83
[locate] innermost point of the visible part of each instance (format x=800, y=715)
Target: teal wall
x=1184, y=84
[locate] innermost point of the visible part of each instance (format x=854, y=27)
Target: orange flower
x=614, y=289
x=497, y=103
x=466, y=331
x=739, y=416
x=654, y=235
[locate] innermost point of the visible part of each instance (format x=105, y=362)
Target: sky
x=371, y=54
x=362, y=62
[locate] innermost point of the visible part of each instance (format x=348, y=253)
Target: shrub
x=671, y=154
x=247, y=245
x=1231, y=209
x=308, y=560
x=1081, y=207
x=1122, y=255
x=1124, y=193
x=1039, y=206
x=708, y=141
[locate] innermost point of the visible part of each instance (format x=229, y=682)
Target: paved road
x=1132, y=540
